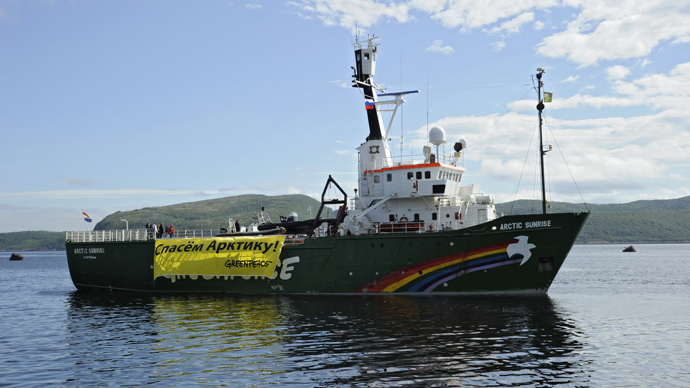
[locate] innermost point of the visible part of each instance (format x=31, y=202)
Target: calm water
x=611, y=319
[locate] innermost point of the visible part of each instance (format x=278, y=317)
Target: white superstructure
x=399, y=195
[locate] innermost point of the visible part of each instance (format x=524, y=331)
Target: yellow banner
x=230, y=256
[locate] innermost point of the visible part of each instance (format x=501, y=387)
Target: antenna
x=402, y=132
x=540, y=108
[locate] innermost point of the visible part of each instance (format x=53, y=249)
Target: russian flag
x=369, y=104
x=87, y=218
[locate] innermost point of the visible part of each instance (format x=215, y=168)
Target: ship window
x=427, y=174
x=439, y=175
x=389, y=177
x=434, y=216
x=391, y=218
x=377, y=179
x=366, y=56
x=419, y=175
x=416, y=217
x=438, y=189
x=410, y=175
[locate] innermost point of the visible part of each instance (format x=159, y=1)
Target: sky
x=119, y=105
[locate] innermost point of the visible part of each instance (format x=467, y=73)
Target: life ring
x=403, y=219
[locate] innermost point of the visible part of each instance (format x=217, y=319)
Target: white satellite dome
x=437, y=136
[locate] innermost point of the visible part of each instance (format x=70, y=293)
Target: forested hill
x=659, y=220
x=635, y=222
x=214, y=213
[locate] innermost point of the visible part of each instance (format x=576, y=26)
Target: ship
x=412, y=227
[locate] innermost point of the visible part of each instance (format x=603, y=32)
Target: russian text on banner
x=218, y=256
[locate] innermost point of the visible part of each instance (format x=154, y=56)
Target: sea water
x=611, y=319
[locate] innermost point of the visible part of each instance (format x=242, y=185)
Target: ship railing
x=413, y=159
x=134, y=235
x=110, y=235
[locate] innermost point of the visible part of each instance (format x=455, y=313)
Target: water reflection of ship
x=392, y=340
x=174, y=336
x=333, y=340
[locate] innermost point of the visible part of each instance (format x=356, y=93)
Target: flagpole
x=82, y=216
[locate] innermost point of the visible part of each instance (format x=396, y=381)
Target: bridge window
x=377, y=179
x=410, y=175
x=389, y=177
x=427, y=174
x=419, y=175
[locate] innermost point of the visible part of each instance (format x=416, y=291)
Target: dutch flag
x=87, y=218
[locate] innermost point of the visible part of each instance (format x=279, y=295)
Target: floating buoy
x=630, y=249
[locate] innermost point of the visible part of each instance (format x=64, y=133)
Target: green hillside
x=635, y=222
x=213, y=213
x=659, y=220
x=32, y=241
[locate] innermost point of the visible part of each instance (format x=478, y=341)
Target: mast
x=540, y=108
x=365, y=59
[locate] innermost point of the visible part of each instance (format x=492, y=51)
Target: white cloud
x=498, y=46
x=571, y=79
x=437, y=47
x=513, y=25
x=253, y=6
x=470, y=15
x=666, y=92
x=341, y=84
x=617, y=72
x=353, y=13
x=343, y=152
x=607, y=156
x=601, y=30
x=620, y=30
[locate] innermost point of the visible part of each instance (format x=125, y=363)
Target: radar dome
x=437, y=136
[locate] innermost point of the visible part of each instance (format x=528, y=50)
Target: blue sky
x=119, y=105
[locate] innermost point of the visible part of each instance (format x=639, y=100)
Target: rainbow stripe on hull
x=425, y=277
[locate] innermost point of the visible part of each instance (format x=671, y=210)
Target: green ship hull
x=511, y=254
